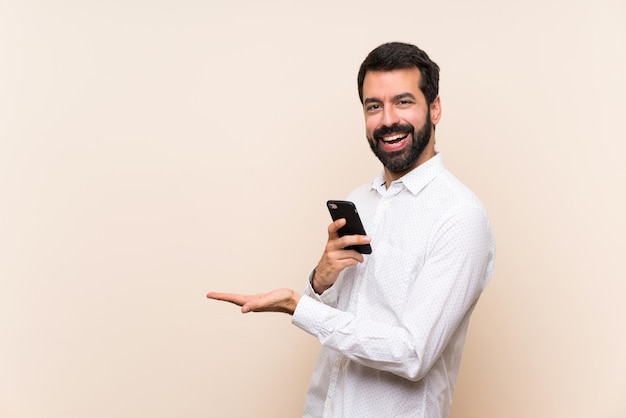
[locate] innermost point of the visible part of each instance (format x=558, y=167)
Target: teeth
x=394, y=138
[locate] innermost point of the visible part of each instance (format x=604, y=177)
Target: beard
x=404, y=159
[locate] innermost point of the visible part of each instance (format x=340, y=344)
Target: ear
x=435, y=110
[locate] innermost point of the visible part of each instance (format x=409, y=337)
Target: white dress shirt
x=393, y=327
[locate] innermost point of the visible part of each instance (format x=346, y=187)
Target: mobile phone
x=345, y=209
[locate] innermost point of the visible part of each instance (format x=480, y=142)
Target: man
x=393, y=323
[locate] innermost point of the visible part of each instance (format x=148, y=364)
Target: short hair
x=398, y=55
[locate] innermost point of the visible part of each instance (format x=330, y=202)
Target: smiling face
x=398, y=120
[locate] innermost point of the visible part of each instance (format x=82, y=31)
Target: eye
x=405, y=102
x=372, y=107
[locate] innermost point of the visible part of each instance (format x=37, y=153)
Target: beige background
x=151, y=151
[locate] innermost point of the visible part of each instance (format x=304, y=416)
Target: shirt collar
x=416, y=179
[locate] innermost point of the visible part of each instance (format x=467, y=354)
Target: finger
x=335, y=226
x=342, y=254
x=339, y=243
x=235, y=298
x=250, y=305
x=351, y=240
x=255, y=306
x=348, y=263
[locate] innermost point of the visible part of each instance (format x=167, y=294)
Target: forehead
x=381, y=84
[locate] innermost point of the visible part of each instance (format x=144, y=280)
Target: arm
x=445, y=291
x=333, y=261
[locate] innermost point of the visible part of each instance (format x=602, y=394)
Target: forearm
x=380, y=346
x=411, y=341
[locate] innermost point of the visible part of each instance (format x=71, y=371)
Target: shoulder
x=452, y=194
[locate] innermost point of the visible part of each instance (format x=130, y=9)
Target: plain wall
x=151, y=151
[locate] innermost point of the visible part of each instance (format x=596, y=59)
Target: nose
x=390, y=117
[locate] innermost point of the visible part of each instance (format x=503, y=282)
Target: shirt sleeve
x=458, y=266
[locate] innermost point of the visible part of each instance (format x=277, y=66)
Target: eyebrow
x=393, y=99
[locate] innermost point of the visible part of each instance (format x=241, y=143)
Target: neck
x=391, y=176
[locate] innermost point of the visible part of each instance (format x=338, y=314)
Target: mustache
x=393, y=129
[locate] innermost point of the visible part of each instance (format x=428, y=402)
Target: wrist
x=295, y=299
x=316, y=285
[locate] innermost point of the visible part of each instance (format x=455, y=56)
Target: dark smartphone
x=344, y=209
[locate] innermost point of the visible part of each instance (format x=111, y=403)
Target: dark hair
x=396, y=56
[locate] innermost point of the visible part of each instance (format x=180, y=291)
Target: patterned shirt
x=393, y=327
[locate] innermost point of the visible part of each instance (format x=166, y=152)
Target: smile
x=394, y=138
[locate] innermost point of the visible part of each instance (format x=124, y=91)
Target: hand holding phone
x=344, y=209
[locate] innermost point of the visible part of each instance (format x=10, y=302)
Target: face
x=398, y=121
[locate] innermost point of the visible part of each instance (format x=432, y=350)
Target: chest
x=401, y=238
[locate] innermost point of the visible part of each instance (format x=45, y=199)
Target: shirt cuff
x=327, y=297
x=309, y=291
x=310, y=316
